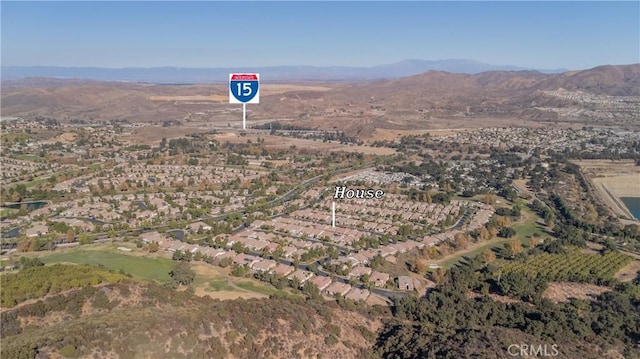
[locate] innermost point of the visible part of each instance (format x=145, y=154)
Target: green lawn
x=11, y=138
x=32, y=158
x=530, y=226
x=212, y=285
x=8, y=211
x=95, y=166
x=524, y=230
x=262, y=289
x=495, y=243
x=139, y=267
x=45, y=178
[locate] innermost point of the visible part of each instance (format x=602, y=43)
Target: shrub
x=69, y=351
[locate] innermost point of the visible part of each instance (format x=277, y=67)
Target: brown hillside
x=127, y=321
x=431, y=100
x=621, y=80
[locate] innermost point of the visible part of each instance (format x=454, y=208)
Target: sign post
x=333, y=214
x=244, y=115
x=244, y=89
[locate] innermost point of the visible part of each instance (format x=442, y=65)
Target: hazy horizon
x=399, y=61
x=550, y=35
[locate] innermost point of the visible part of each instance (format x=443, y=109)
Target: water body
x=633, y=204
x=93, y=220
x=141, y=205
x=176, y=233
x=12, y=233
x=30, y=205
x=87, y=219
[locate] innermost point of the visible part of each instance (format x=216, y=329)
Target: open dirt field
x=336, y=147
x=215, y=283
x=348, y=174
x=563, y=291
x=66, y=137
x=279, y=142
x=213, y=98
x=383, y=134
x=612, y=180
x=223, y=97
x=628, y=272
x=521, y=185
x=227, y=295
x=375, y=300
x=152, y=135
x=274, y=89
x=621, y=186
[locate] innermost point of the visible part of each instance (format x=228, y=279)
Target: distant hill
x=271, y=73
x=622, y=80
x=430, y=100
x=609, y=80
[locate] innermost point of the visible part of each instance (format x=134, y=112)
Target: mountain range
x=602, y=96
x=271, y=73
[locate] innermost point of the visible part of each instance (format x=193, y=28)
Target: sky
x=545, y=35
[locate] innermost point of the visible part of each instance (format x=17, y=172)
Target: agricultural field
x=574, y=266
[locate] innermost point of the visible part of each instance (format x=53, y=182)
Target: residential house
x=152, y=237
x=166, y=245
x=36, y=230
x=386, y=251
x=199, y=227
x=337, y=288
x=178, y=246
x=242, y=259
x=405, y=283
x=264, y=265
x=359, y=271
x=301, y=275
x=378, y=279
x=357, y=294
x=282, y=270
x=321, y=282
x=288, y=251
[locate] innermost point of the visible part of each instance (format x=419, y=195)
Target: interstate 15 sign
x=244, y=88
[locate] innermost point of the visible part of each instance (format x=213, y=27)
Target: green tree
x=83, y=238
x=311, y=291
x=182, y=274
x=30, y=262
x=71, y=235
x=153, y=247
